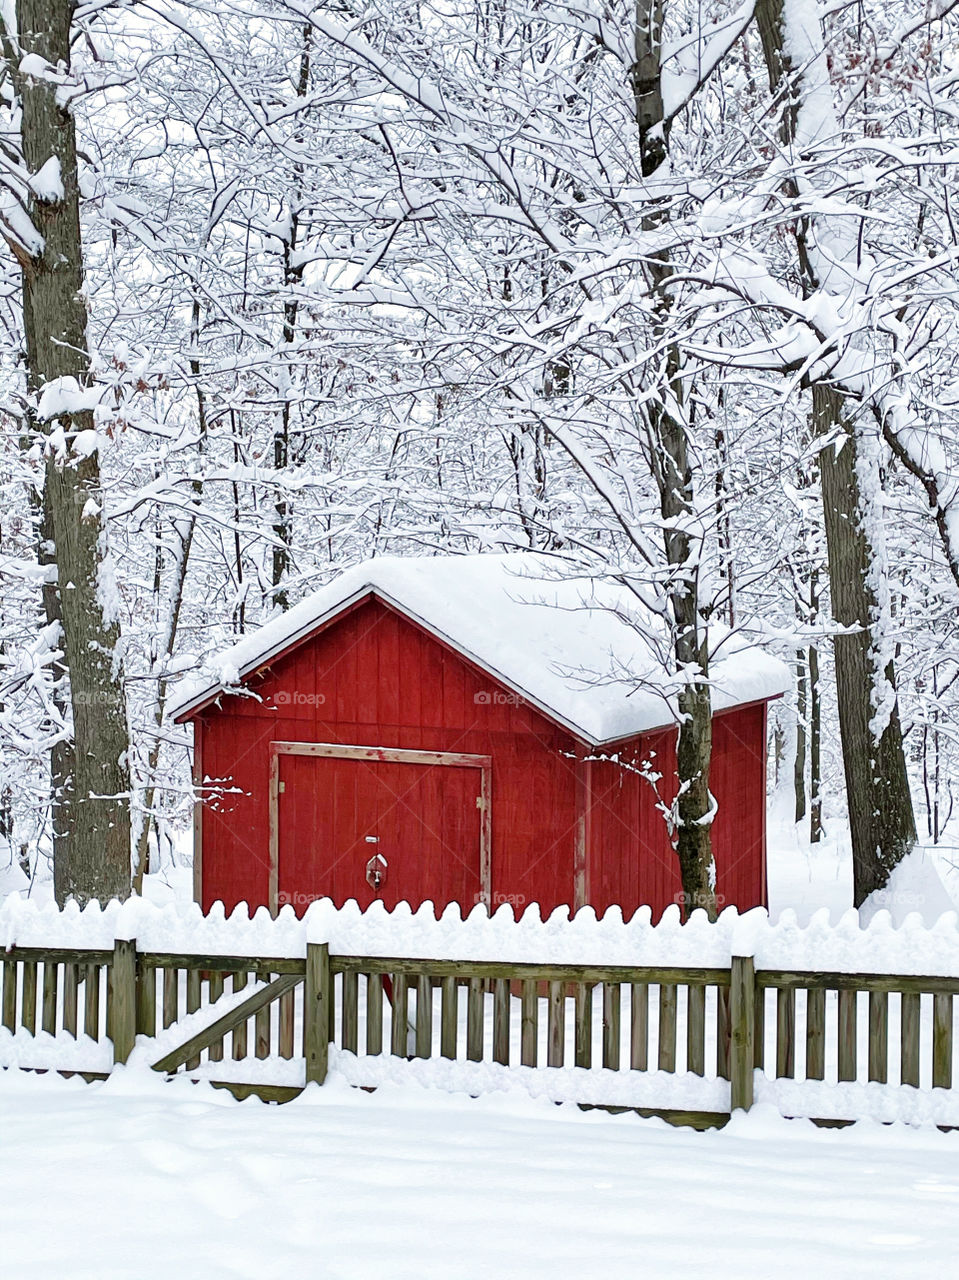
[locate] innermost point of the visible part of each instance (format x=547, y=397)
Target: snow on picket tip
x=912, y=948
x=176, y=927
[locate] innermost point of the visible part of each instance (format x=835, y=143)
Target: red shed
x=452, y=728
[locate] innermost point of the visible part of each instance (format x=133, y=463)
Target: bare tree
x=92, y=783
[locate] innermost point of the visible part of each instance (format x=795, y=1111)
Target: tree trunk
x=292, y=279
x=877, y=787
x=694, y=807
x=92, y=823
x=166, y=640
x=815, y=722
x=61, y=753
x=799, y=761
x=142, y=842
x=881, y=818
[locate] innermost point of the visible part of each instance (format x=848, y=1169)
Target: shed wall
x=631, y=859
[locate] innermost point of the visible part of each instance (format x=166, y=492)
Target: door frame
x=384, y=755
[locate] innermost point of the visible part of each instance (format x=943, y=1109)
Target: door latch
x=376, y=872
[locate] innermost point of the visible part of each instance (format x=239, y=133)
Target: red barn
x=454, y=729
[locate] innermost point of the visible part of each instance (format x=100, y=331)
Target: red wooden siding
x=374, y=678
x=632, y=861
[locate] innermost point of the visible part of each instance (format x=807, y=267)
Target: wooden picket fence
x=529, y=1015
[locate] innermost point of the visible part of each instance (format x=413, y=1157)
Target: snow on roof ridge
x=849, y=946
x=564, y=643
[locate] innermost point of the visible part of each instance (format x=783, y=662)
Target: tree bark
x=61, y=753
x=799, y=760
x=881, y=817
x=693, y=809
x=166, y=638
x=92, y=822
x=292, y=279
x=881, y=820
x=815, y=722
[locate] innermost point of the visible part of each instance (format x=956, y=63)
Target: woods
x=662, y=290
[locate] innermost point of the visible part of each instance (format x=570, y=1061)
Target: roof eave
x=671, y=724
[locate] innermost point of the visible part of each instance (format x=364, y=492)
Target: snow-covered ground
x=805, y=877
x=140, y=1177
x=137, y=1178
x=170, y=884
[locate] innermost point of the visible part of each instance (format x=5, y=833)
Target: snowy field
x=137, y=1179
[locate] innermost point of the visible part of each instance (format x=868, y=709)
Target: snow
x=55, y=1053
x=148, y=1050
x=690, y=62
x=47, y=183
x=17, y=221
x=156, y=1180
x=803, y=45
x=63, y=396
x=805, y=877
x=584, y=651
x=808, y=878
x=174, y=927
x=37, y=68
x=847, y=945
x=882, y=1103
x=914, y=886
x=13, y=880
x=595, y=1086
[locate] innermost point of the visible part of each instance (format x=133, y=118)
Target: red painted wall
x=632, y=862
x=373, y=678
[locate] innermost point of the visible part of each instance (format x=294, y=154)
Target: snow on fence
x=690, y=1021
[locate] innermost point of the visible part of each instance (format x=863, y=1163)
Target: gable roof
x=583, y=651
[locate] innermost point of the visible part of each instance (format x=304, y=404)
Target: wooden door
x=334, y=814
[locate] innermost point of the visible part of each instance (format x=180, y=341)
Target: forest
x=662, y=289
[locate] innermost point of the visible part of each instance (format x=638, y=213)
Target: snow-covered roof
x=582, y=650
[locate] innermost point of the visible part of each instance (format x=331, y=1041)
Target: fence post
x=122, y=993
x=317, y=1008
x=742, y=1006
